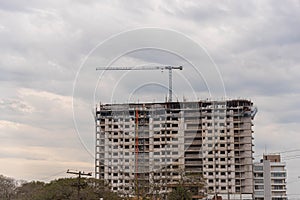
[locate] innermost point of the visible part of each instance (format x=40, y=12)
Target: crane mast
x=169, y=68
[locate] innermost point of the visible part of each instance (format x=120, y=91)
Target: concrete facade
x=147, y=145
x=270, y=179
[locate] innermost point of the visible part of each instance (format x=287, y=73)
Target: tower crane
x=163, y=67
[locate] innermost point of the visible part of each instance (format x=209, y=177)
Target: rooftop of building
x=243, y=103
x=271, y=157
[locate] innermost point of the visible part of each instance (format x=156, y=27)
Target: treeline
x=60, y=189
x=187, y=187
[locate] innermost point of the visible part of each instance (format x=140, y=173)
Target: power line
x=291, y=157
x=280, y=152
x=288, y=151
x=52, y=176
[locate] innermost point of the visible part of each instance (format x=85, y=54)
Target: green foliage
x=180, y=193
x=29, y=191
x=7, y=187
x=189, y=185
x=60, y=189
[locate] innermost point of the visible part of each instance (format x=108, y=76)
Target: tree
x=29, y=190
x=65, y=189
x=180, y=193
x=190, y=185
x=101, y=189
x=7, y=187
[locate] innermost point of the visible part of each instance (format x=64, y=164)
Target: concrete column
x=267, y=180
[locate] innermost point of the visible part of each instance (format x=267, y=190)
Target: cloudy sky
x=49, y=85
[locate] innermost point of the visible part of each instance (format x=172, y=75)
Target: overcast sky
x=50, y=49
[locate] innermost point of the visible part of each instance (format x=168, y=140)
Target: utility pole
x=79, y=185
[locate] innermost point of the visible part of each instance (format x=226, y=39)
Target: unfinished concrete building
x=142, y=148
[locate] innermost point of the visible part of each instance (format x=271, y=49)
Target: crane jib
x=141, y=68
x=166, y=67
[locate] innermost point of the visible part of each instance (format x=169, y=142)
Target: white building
x=146, y=144
x=270, y=179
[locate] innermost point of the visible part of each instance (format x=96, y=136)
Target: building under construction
x=142, y=148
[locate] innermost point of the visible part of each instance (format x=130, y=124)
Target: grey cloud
x=15, y=106
x=43, y=43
